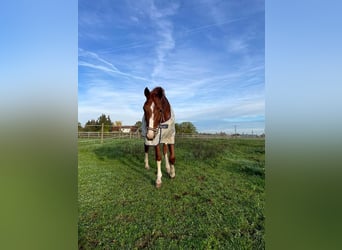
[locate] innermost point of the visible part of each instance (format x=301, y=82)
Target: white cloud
x=165, y=41
x=237, y=45
x=99, y=67
x=134, y=19
x=124, y=105
x=108, y=68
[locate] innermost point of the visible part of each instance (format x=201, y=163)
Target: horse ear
x=147, y=92
x=160, y=92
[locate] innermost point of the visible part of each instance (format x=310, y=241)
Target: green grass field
x=216, y=201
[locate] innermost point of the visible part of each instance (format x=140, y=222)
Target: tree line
x=95, y=125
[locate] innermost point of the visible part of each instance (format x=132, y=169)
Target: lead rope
x=160, y=127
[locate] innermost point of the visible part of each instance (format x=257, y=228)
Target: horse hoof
x=158, y=185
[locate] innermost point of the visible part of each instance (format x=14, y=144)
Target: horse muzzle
x=151, y=133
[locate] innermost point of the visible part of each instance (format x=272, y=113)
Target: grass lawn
x=216, y=201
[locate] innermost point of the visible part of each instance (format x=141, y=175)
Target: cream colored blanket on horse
x=167, y=134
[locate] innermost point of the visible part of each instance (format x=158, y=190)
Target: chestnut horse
x=158, y=126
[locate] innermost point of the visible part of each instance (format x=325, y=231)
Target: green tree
x=106, y=121
x=186, y=128
x=138, y=124
x=118, y=123
x=177, y=127
x=80, y=127
x=93, y=125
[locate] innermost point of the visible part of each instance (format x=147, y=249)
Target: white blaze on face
x=150, y=133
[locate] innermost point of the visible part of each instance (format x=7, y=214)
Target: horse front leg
x=159, y=173
x=147, y=166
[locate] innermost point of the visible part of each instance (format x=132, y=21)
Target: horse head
x=156, y=110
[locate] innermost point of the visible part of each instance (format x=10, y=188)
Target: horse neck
x=166, y=110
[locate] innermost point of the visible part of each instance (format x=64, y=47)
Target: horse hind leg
x=172, y=161
x=147, y=166
x=167, y=164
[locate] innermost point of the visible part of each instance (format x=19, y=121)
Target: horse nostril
x=149, y=136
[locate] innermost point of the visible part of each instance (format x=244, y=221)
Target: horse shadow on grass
x=128, y=154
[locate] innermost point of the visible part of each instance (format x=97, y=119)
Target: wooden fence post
x=102, y=133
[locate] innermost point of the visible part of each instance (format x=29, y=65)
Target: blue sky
x=207, y=55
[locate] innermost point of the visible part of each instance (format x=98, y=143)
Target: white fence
x=137, y=135
x=108, y=135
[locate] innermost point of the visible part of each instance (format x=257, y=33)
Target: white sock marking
x=147, y=166
x=159, y=173
x=167, y=164
x=172, y=171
